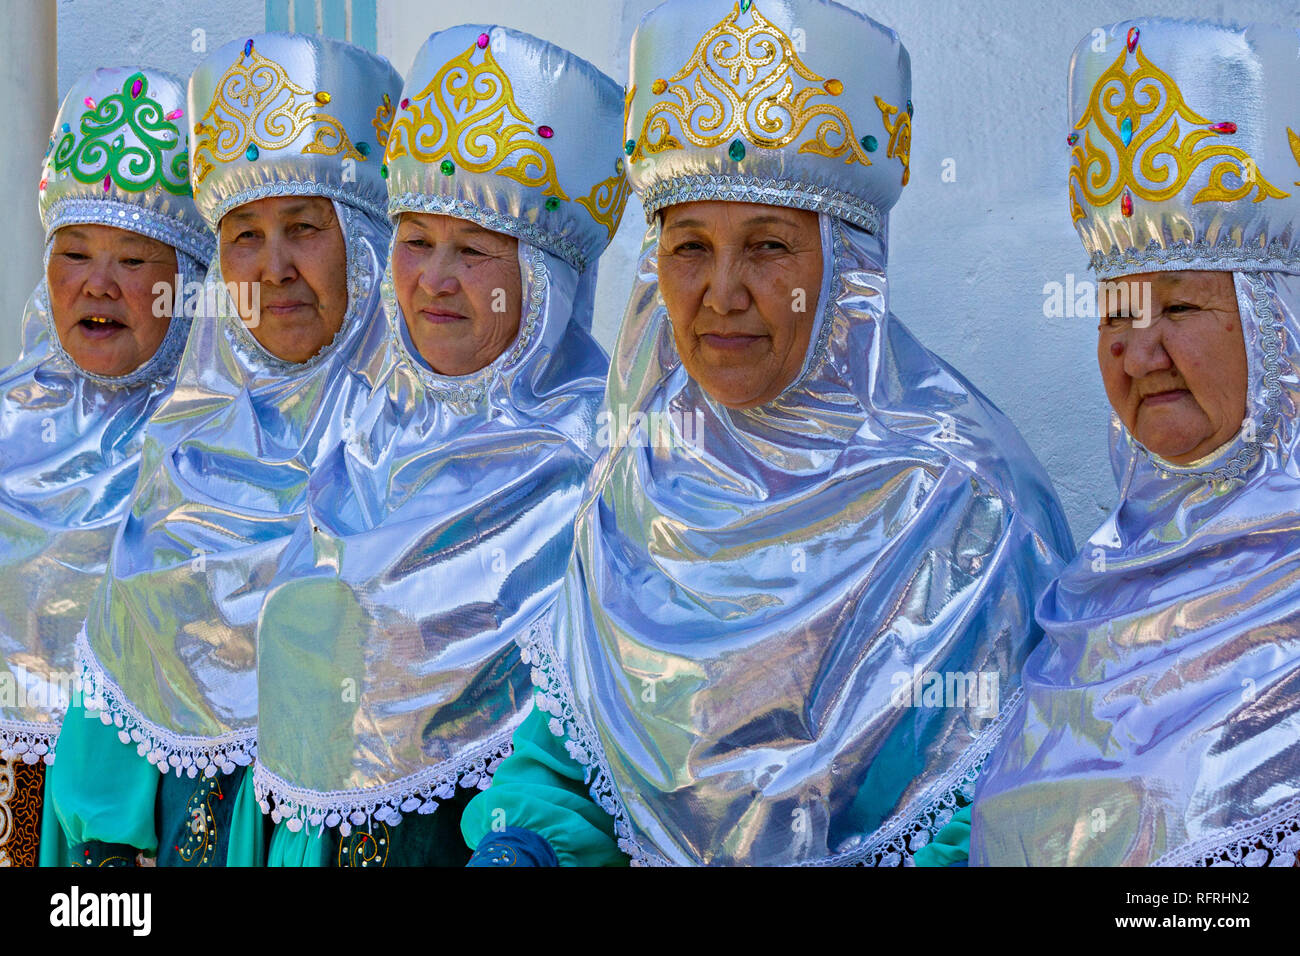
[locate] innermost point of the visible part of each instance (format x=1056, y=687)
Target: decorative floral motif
x=256, y=104
x=366, y=847
x=900, y=136
x=710, y=110
x=383, y=121
x=467, y=113
x=201, y=841
x=136, y=163
x=606, y=200
x=1137, y=115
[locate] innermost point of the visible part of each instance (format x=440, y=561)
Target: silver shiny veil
x=433, y=537
x=169, y=652
x=1161, y=716
x=744, y=650
x=70, y=445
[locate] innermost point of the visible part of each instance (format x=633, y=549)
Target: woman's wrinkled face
x=740, y=281
x=288, y=255
x=460, y=290
x=106, y=313
x=1177, y=377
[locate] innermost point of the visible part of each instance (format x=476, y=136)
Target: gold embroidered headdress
x=1184, y=147
x=800, y=103
x=285, y=113
x=516, y=134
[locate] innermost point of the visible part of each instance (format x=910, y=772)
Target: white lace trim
x=891, y=845
x=167, y=751
x=28, y=741
x=1270, y=840
x=418, y=793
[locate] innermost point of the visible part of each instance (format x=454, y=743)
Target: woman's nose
x=1144, y=350
x=726, y=292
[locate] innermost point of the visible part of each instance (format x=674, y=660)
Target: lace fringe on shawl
x=27, y=741
x=167, y=751
x=418, y=793
x=891, y=845
x=1270, y=840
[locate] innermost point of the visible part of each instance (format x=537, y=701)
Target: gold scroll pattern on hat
x=1144, y=106
x=770, y=114
x=256, y=104
x=468, y=114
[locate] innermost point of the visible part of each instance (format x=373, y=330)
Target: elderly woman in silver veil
x=808, y=532
x=1161, y=716
x=168, y=655
x=439, y=531
x=100, y=349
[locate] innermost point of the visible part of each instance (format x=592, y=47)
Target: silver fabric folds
x=761, y=603
x=1161, y=715
x=169, y=650
x=434, y=536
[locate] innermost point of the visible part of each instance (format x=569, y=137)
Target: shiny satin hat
x=282, y=114
x=1184, y=147
x=513, y=133
x=119, y=156
x=800, y=103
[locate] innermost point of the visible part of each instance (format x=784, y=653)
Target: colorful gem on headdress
x=545, y=132
x=405, y=103
x=248, y=47
x=1072, y=139
x=66, y=128
x=447, y=167
x=1126, y=204
x=108, y=181
x=251, y=152
x=363, y=148
x=552, y=203
x=658, y=86
x=175, y=114
x=629, y=147
x=482, y=41
x=1126, y=130
x=43, y=182
x=322, y=97
x=909, y=107
x=736, y=150
x=1131, y=41
x=745, y=5
x=90, y=103
x=833, y=87
x=869, y=143
x=1224, y=127
x=383, y=171
x=137, y=88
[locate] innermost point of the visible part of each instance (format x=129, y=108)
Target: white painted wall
x=968, y=258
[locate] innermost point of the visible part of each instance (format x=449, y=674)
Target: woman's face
x=1177, y=378
x=291, y=250
x=740, y=281
x=459, y=288
x=101, y=282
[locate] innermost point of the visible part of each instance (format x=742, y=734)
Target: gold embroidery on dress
x=606, y=200
x=272, y=112
x=468, y=114
x=709, y=110
x=1139, y=106
x=201, y=839
x=383, y=121
x=900, y=136
x=1295, y=151
x=22, y=791
x=365, y=847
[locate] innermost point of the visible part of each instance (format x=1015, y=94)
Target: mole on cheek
x=1117, y=349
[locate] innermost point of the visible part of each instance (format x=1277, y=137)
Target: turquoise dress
x=541, y=789
x=208, y=821
x=950, y=846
